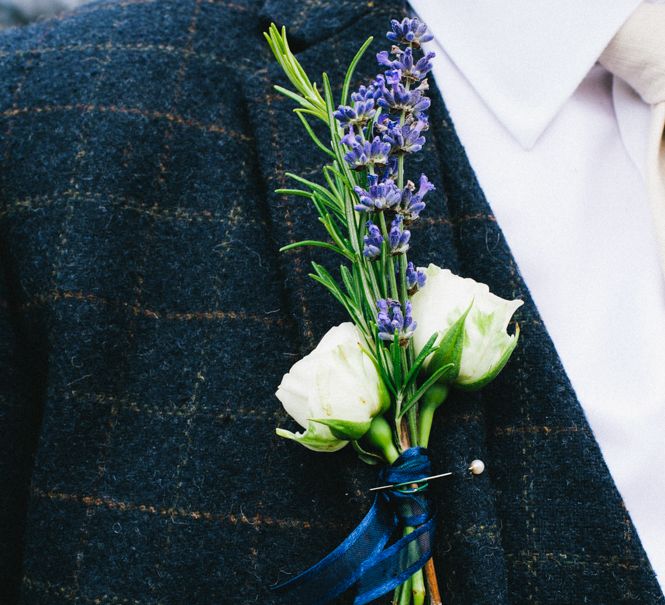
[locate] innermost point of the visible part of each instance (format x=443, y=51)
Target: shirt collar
x=524, y=61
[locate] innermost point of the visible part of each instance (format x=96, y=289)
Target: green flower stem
x=412, y=418
x=390, y=269
x=370, y=287
x=417, y=579
x=384, y=265
x=425, y=424
x=412, y=414
x=403, y=433
x=400, y=159
x=409, y=356
x=397, y=595
x=378, y=289
x=400, y=167
x=404, y=291
x=380, y=436
x=368, y=274
x=413, y=590
x=434, y=397
x=418, y=588
x=405, y=597
x=415, y=586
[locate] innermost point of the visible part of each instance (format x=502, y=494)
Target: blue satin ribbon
x=364, y=560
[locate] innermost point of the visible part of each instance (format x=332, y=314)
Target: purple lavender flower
x=351, y=139
x=385, y=123
x=410, y=324
x=423, y=123
x=409, y=31
x=390, y=320
x=378, y=196
x=373, y=241
x=406, y=138
x=391, y=168
x=387, y=78
x=365, y=93
x=364, y=153
x=405, y=64
x=398, y=237
x=362, y=110
x=397, y=98
x=411, y=204
x=415, y=278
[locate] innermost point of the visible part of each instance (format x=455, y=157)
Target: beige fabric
x=637, y=55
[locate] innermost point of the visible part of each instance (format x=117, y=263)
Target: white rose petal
x=336, y=381
x=443, y=300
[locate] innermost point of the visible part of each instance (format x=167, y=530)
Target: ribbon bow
x=364, y=559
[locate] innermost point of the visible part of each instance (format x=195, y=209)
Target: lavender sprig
x=415, y=278
x=409, y=31
x=362, y=111
x=378, y=196
x=406, y=138
x=409, y=69
x=411, y=204
x=367, y=204
x=394, y=324
x=363, y=153
x=397, y=98
x=398, y=237
x=373, y=241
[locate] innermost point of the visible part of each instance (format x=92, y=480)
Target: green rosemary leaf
x=322, y=206
x=396, y=355
x=347, y=280
x=322, y=276
x=330, y=108
x=315, y=244
x=325, y=207
x=432, y=379
x=298, y=192
x=313, y=186
x=381, y=369
x=294, y=97
x=334, y=289
x=310, y=132
x=365, y=456
x=331, y=183
x=352, y=68
x=340, y=241
x=279, y=45
x=418, y=362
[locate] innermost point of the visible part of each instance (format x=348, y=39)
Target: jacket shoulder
x=130, y=44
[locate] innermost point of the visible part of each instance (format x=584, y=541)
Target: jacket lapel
x=545, y=523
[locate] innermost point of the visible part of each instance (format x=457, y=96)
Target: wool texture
x=146, y=319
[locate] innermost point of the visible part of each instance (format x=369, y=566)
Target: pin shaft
x=395, y=485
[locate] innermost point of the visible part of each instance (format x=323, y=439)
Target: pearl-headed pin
x=477, y=467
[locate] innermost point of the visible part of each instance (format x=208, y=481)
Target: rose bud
x=333, y=393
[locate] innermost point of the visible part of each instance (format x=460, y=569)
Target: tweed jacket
x=146, y=319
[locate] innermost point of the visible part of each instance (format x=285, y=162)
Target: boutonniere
x=376, y=381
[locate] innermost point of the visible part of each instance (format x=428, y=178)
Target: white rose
x=336, y=385
x=486, y=344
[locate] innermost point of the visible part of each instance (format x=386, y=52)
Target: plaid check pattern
x=146, y=319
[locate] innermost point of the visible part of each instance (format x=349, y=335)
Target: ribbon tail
x=340, y=569
x=395, y=564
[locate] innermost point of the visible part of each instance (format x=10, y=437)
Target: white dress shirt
x=558, y=147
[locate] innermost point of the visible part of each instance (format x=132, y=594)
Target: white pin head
x=477, y=467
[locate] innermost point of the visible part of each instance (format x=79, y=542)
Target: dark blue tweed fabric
x=146, y=319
